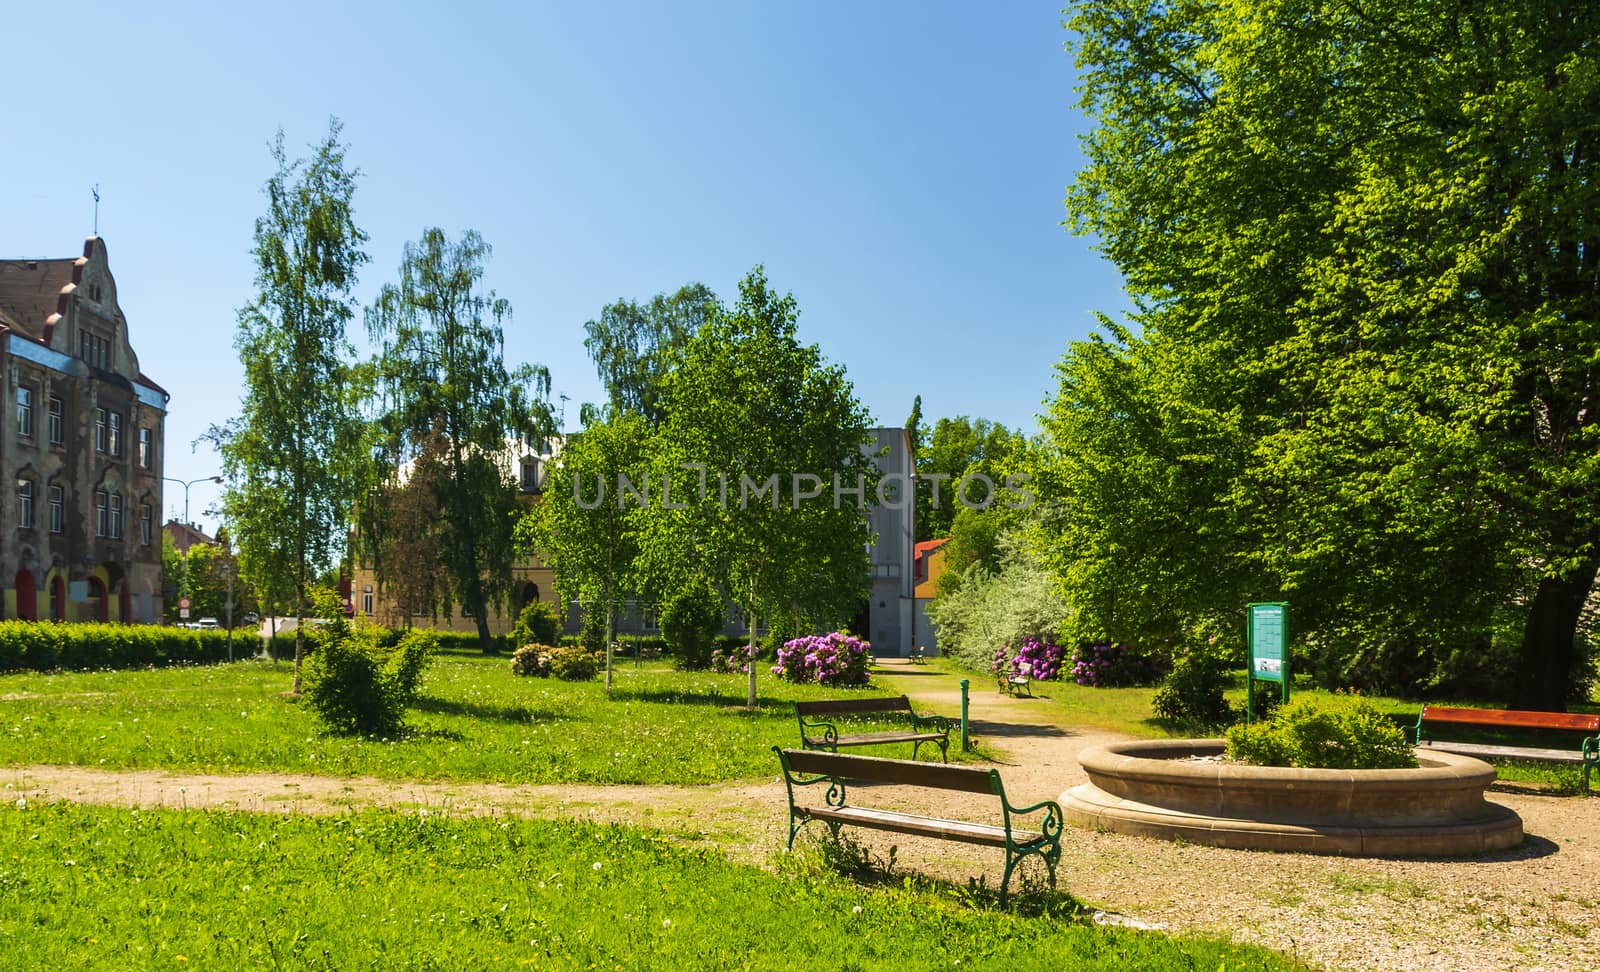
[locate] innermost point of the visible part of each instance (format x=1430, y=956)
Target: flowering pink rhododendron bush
x=831, y=659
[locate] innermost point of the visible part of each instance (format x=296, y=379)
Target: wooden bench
x=1014, y=683
x=930, y=728
x=1588, y=748
x=807, y=767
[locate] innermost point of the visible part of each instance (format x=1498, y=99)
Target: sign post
x=1267, y=635
x=183, y=608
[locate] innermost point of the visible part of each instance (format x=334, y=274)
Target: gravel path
x=1529, y=909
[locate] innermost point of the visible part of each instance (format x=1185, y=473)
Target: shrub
x=538, y=624
x=1004, y=607
x=592, y=636
x=532, y=660
x=574, y=664
x=1191, y=694
x=49, y=645
x=357, y=686
x=1105, y=664
x=1320, y=731
x=735, y=660
x=690, y=622
x=830, y=659
x=1039, y=660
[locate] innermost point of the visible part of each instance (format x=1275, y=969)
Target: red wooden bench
x=1587, y=754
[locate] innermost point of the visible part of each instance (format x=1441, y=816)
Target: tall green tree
x=757, y=428
x=294, y=454
x=956, y=448
x=1362, y=240
x=442, y=372
x=581, y=529
x=632, y=345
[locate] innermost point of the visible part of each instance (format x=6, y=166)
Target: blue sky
x=898, y=167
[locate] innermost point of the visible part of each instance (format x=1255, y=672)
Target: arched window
x=97, y=599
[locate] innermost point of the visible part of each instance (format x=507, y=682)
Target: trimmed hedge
x=47, y=645
x=281, y=647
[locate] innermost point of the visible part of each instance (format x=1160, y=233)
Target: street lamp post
x=184, y=592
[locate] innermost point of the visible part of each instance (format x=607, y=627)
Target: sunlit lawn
x=474, y=721
x=104, y=888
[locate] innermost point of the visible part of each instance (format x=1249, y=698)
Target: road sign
x=183, y=612
x=184, y=604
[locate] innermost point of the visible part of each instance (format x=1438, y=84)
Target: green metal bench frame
x=809, y=767
x=1588, y=753
x=924, y=728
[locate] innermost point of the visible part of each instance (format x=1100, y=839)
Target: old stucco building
x=81, y=446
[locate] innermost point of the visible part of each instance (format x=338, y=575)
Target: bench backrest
x=874, y=769
x=1512, y=718
x=852, y=706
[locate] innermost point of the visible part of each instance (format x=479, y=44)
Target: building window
x=102, y=514
x=94, y=349
x=146, y=524
x=24, y=411
x=116, y=434
x=25, y=503
x=146, y=448
x=58, y=508
x=116, y=515
x=57, y=421
x=366, y=600
x=101, y=437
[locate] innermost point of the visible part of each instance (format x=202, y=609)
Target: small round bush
x=573, y=664
x=538, y=624
x=531, y=660
x=690, y=622
x=1191, y=694
x=357, y=686
x=830, y=659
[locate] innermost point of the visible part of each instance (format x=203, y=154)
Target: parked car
x=207, y=624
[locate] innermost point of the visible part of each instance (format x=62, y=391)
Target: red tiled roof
x=32, y=291
x=929, y=546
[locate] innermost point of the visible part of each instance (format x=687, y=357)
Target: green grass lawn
x=102, y=888
x=474, y=721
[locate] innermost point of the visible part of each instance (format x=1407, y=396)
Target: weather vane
x=95, y=192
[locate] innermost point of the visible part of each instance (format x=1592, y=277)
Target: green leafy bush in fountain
x=358, y=686
x=690, y=622
x=48, y=645
x=538, y=624
x=531, y=660
x=574, y=664
x=1321, y=731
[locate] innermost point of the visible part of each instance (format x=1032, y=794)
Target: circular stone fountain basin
x=1170, y=789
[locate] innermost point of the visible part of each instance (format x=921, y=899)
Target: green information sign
x=1267, y=635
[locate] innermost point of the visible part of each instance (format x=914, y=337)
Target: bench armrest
x=835, y=795
x=830, y=733
x=937, y=723
x=1052, y=824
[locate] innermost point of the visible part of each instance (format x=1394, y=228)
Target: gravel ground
x=1529, y=909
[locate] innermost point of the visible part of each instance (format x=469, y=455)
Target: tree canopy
x=632, y=345
x=1362, y=241
x=757, y=426
x=443, y=377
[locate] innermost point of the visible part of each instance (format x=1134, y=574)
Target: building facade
x=81, y=448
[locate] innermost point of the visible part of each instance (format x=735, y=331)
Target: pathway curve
x=1530, y=909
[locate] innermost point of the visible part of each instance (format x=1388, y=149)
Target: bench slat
x=1575, y=721
x=876, y=769
x=834, y=706
x=1504, y=752
x=874, y=738
x=908, y=823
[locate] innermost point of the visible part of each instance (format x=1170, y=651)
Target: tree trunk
x=750, y=660
x=1544, y=662
x=485, y=640
x=611, y=633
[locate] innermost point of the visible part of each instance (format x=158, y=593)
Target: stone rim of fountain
x=1175, y=789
